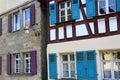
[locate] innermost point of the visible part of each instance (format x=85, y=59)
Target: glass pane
x=62, y=19
x=65, y=58
x=68, y=4
x=62, y=13
x=102, y=6
x=65, y=67
x=107, y=69
x=72, y=66
x=66, y=74
x=69, y=17
x=72, y=73
x=69, y=12
x=62, y=5
x=90, y=55
x=27, y=17
x=72, y=57
x=112, y=5
x=106, y=56
x=116, y=55
x=117, y=69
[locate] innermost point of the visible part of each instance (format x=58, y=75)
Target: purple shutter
x=9, y=23
x=0, y=26
x=0, y=64
x=9, y=63
x=32, y=14
x=33, y=62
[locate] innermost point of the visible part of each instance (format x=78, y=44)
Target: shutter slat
x=118, y=5
x=0, y=64
x=90, y=8
x=0, y=26
x=52, y=10
x=33, y=62
x=9, y=23
x=32, y=14
x=75, y=9
x=52, y=66
x=9, y=63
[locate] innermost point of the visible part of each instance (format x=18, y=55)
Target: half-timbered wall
x=84, y=27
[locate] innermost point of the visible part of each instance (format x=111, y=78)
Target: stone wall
x=20, y=42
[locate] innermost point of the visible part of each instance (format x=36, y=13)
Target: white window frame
x=68, y=62
x=16, y=25
x=17, y=66
x=111, y=67
x=106, y=7
x=64, y=9
x=24, y=20
x=25, y=63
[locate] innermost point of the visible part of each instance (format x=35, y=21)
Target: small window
x=90, y=55
x=27, y=63
x=17, y=63
x=65, y=11
x=26, y=17
x=106, y=6
x=52, y=58
x=80, y=56
x=16, y=21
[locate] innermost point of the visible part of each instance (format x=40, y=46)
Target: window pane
x=62, y=5
x=65, y=67
x=66, y=74
x=106, y=56
x=62, y=13
x=107, y=69
x=65, y=58
x=72, y=73
x=102, y=7
x=72, y=66
x=62, y=19
x=68, y=4
x=72, y=57
x=116, y=55
x=80, y=56
x=90, y=55
x=112, y=5
x=27, y=17
x=117, y=69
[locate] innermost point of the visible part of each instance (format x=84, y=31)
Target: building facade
x=23, y=40
x=83, y=40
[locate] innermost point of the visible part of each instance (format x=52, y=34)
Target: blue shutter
x=52, y=10
x=52, y=66
x=75, y=9
x=91, y=62
x=90, y=8
x=118, y=5
x=80, y=63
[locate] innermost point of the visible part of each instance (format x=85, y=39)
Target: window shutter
x=0, y=64
x=90, y=8
x=9, y=63
x=75, y=9
x=118, y=5
x=0, y=26
x=9, y=23
x=33, y=62
x=52, y=10
x=52, y=66
x=32, y=14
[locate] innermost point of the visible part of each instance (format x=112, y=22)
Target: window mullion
x=107, y=6
x=66, y=12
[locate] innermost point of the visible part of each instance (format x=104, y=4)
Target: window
x=16, y=21
x=111, y=65
x=106, y=6
x=68, y=66
x=27, y=63
x=26, y=17
x=17, y=64
x=65, y=11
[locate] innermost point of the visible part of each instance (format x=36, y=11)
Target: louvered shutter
x=90, y=8
x=75, y=9
x=9, y=63
x=52, y=66
x=33, y=62
x=0, y=26
x=52, y=10
x=32, y=14
x=118, y=5
x=9, y=23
